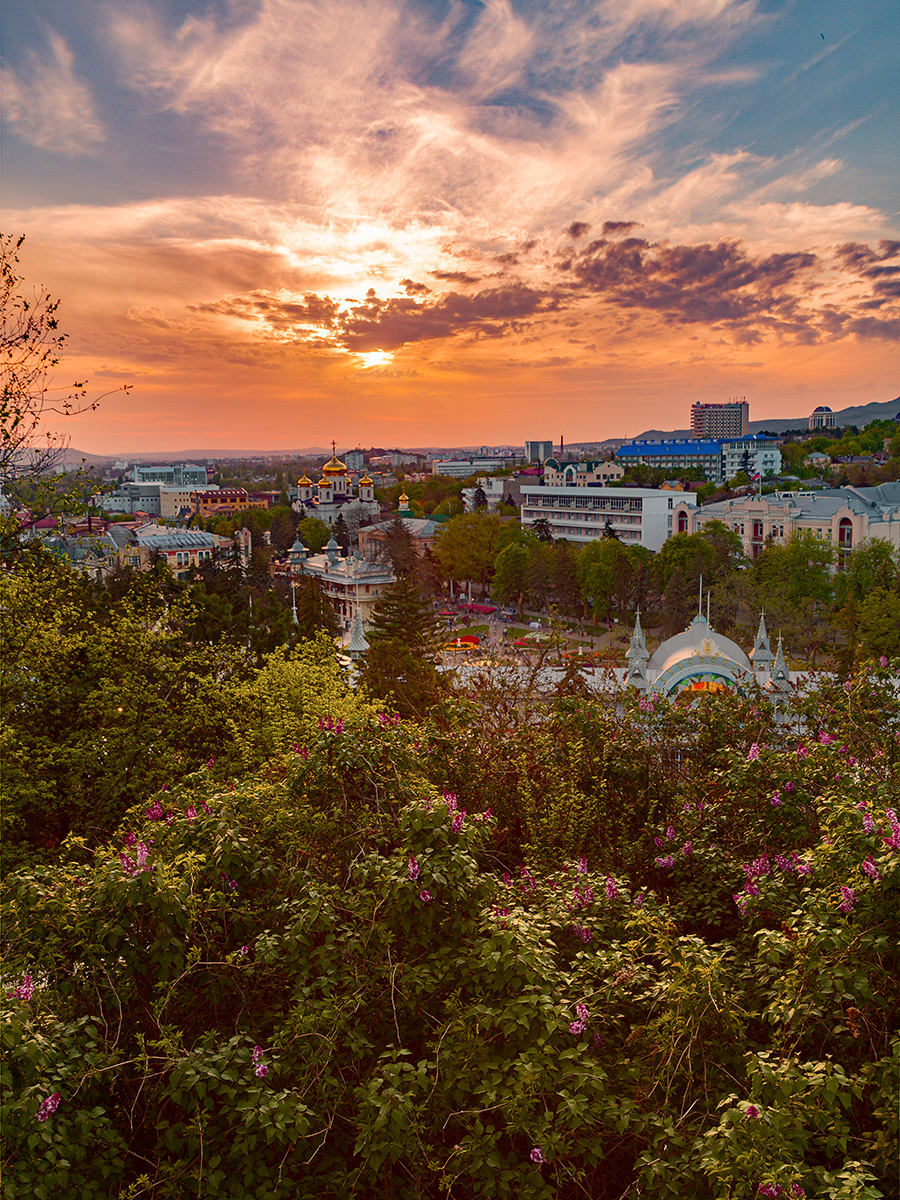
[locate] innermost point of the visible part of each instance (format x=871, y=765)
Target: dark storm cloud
x=455, y=276
x=704, y=283
x=388, y=324
x=873, y=263
x=278, y=313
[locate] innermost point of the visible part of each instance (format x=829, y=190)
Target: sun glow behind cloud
x=375, y=358
x=512, y=211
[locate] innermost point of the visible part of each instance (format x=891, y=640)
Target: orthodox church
x=333, y=495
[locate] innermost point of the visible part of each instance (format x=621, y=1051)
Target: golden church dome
x=366, y=481
x=334, y=466
x=305, y=481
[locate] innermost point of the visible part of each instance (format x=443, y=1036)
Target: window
x=682, y=522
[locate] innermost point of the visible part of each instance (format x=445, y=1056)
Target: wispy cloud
x=46, y=103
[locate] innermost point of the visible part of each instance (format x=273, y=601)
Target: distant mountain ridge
x=858, y=415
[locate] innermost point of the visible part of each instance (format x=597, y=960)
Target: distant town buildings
x=582, y=474
x=355, y=460
x=730, y=420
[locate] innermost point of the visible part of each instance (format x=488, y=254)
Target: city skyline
x=458, y=223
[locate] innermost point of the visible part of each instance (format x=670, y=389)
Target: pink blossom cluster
x=24, y=991
x=48, y=1106
x=329, y=725
x=259, y=1067
x=134, y=866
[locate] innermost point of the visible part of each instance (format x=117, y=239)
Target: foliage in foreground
x=326, y=977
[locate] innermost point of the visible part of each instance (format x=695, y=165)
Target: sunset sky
x=451, y=223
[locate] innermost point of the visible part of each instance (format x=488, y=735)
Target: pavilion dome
x=698, y=656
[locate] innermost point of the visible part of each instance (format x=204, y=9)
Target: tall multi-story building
x=731, y=420
x=538, y=451
x=355, y=460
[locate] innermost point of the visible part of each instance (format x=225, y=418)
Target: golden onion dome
x=305, y=481
x=404, y=499
x=334, y=467
x=366, y=482
x=323, y=482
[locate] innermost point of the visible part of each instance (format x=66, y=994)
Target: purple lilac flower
x=753, y=752
x=576, y=1027
x=870, y=869
x=582, y=865
x=130, y=839
x=776, y=799
x=598, y=1040
x=127, y=864
x=769, y=1189
x=687, y=849
x=190, y=813
x=24, y=991
x=658, y=841
x=804, y=868
x=450, y=798
x=670, y=833
x=751, y=1111
x=789, y=787
x=639, y=901
x=667, y=861
x=883, y=662
x=582, y=1011
x=536, y=1156
x=154, y=812
x=257, y=1054
x=413, y=869
x=457, y=823
x=848, y=900
x=611, y=890
x=261, y=1070
x=825, y=738
x=244, y=950
x=48, y=1106
x=802, y=752
x=425, y=896
x=797, y=1190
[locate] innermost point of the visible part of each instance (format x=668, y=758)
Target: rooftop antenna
x=700, y=606
x=707, y=606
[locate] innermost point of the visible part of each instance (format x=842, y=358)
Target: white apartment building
x=763, y=456
x=638, y=516
x=463, y=468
